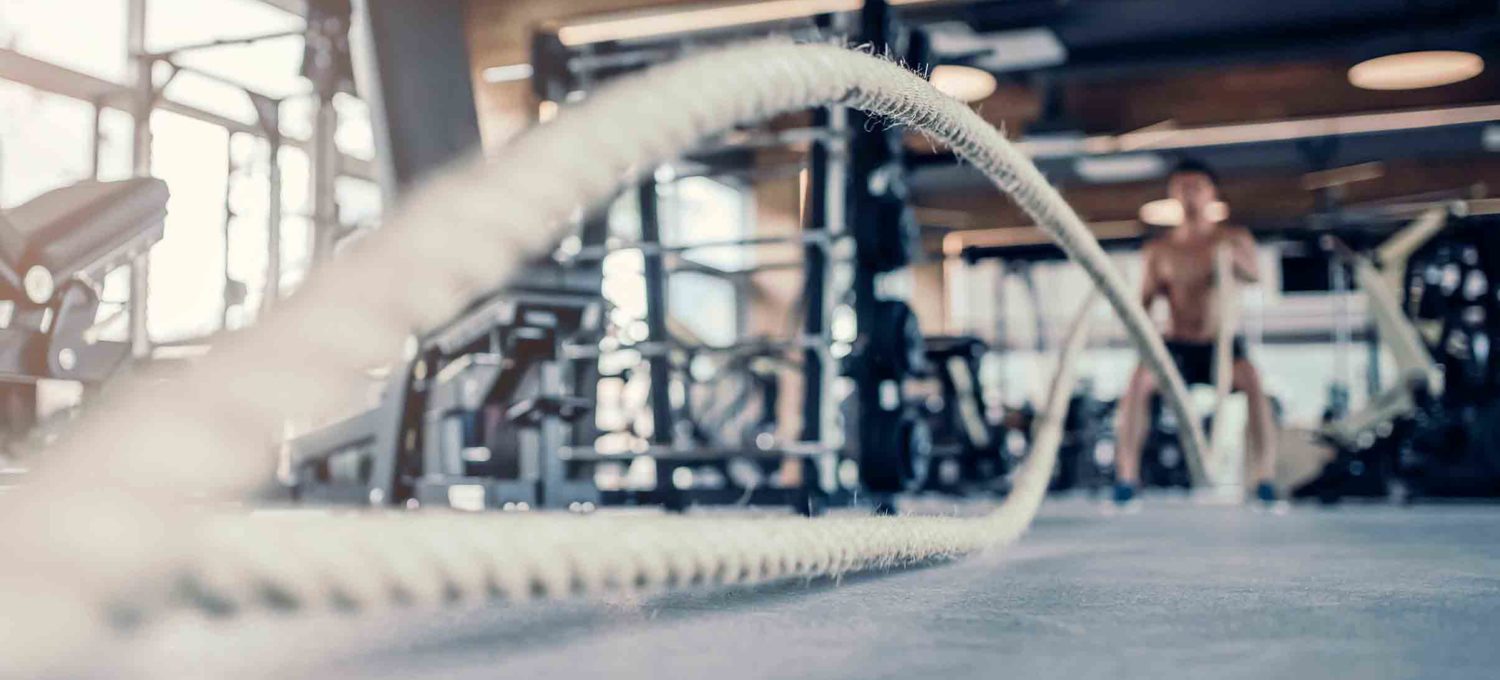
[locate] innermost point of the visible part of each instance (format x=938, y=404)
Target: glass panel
x=296, y=225
x=355, y=137
x=249, y=188
x=695, y=210
x=702, y=210
x=44, y=142
x=269, y=66
x=83, y=35
x=625, y=290
x=297, y=116
x=625, y=217
x=705, y=306
x=296, y=251
x=212, y=96
x=359, y=202
x=296, y=181
x=172, y=23
x=116, y=128
x=186, y=279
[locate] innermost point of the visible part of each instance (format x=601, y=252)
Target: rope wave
x=126, y=522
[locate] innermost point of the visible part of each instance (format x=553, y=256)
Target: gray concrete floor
x=1179, y=590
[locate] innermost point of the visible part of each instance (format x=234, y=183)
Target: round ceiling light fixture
x=964, y=83
x=1416, y=70
x=1167, y=212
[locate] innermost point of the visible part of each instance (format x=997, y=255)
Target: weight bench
x=959, y=429
x=477, y=419
x=54, y=253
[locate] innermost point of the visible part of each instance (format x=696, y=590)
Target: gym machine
x=733, y=404
x=1434, y=431
x=489, y=411
x=1085, y=457
x=713, y=436
x=855, y=196
x=893, y=442
x=475, y=419
x=967, y=450
x=55, y=251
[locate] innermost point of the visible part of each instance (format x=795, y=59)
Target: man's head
x=1193, y=185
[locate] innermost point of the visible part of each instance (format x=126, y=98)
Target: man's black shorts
x=1195, y=360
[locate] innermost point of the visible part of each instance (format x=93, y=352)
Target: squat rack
x=835, y=273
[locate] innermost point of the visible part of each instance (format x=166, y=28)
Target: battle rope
x=360, y=561
x=1227, y=292
x=108, y=523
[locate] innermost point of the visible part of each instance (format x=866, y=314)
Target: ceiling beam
x=297, y=7
x=49, y=77
x=1254, y=201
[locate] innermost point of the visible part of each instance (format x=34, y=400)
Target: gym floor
x=1178, y=590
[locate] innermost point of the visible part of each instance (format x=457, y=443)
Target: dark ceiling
x=1185, y=64
x=1191, y=75
x=1109, y=38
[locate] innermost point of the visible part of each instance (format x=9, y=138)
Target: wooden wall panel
x=1232, y=94
x=1265, y=197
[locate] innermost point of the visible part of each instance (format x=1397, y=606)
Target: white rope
x=1413, y=361
x=108, y=521
x=1416, y=371
x=1215, y=467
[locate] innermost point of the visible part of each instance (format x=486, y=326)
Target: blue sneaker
x=1266, y=498
x=1126, y=497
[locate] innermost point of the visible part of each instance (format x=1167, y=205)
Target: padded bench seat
x=86, y=228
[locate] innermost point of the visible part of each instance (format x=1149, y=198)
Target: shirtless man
x=1179, y=266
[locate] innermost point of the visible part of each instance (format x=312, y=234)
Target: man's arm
x=1243, y=256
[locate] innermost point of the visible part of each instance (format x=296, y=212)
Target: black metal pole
x=656, y=314
x=656, y=331
x=594, y=232
x=814, y=293
x=868, y=149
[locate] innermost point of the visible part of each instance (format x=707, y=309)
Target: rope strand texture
x=352, y=562
x=108, y=522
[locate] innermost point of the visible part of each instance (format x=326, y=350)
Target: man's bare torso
x=1181, y=265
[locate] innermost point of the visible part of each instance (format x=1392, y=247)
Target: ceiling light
x=1002, y=51
x=651, y=24
x=1415, y=70
x=1337, y=177
x=1054, y=144
x=1164, y=212
x=546, y=111
x=954, y=38
x=1130, y=167
x=1023, y=50
x=1167, y=212
x=506, y=74
x=964, y=83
